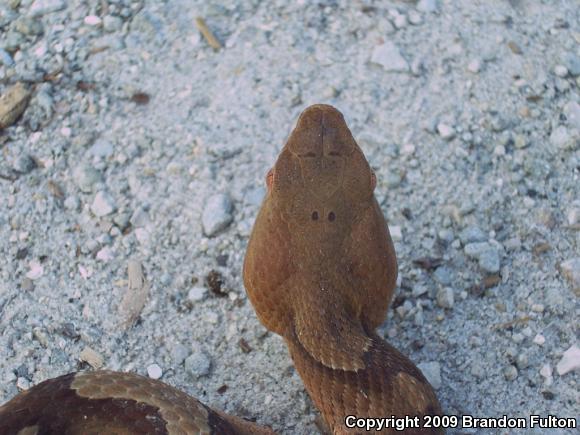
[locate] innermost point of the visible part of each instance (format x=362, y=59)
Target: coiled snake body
x=320, y=270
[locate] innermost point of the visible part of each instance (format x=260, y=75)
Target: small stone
x=474, y=66
x=198, y=363
x=72, y=203
x=572, y=113
x=415, y=18
x=24, y=164
x=520, y=141
x=92, y=20
x=112, y=23
x=217, y=214
x=443, y=275
x=103, y=204
x=474, y=250
x=389, y=57
x=573, y=216
x=562, y=138
x=400, y=21
x=27, y=284
x=560, y=70
x=154, y=371
x=445, y=131
x=570, y=269
x=522, y=361
x=22, y=383
x=85, y=177
x=43, y=7
x=13, y=103
x=432, y=371
x=489, y=261
x=36, y=270
x=197, y=293
x=178, y=353
x=570, y=361
x=5, y=58
x=92, y=357
x=396, y=233
x=427, y=6
x=510, y=373
x=102, y=149
x=572, y=62
x=546, y=372
x=445, y=297
x=539, y=339
x=472, y=234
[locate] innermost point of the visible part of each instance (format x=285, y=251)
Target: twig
x=207, y=34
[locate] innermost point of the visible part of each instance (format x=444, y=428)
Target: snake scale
x=320, y=270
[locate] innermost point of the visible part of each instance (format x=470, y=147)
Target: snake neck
x=389, y=385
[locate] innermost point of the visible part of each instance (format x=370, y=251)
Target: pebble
x=154, y=371
x=217, y=214
x=546, y=372
x=432, y=371
x=92, y=20
x=13, y=103
x=85, y=177
x=427, y=6
x=522, y=361
x=445, y=297
x=445, y=131
x=560, y=70
x=27, y=284
x=197, y=293
x=472, y=234
x=396, y=233
x=510, y=373
x=571, y=271
x=415, y=18
x=474, y=66
x=572, y=113
x=102, y=149
x=5, y=58
x=562, y=138
x=570, y=361
x=572, y=61
x=539, y=339
x=389, y=57
x=24, y=164
x=43, y=7
x=72, y=203
x=443, y=275
x=23, y=383
x=112, y=23
x=103, y=204
x=36, y=270
x=178, y=353
x=198, y=363
x=486, y=254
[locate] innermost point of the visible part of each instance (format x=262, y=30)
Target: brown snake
x=320, y=270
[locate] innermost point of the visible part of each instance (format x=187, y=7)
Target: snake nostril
x=331, y=216
x=314, y=215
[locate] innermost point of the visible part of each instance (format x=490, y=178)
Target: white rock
x=445, y=297
x=427, y=5
x=570, y=361
x=154, y=371
x=546, y=372
x=432, y=371
x=396, y=233
x=572, y=113
x=217, y=214
x=105, y=254
x=415, y=18
x=389, y=57
x=198, y=363
x=36, y=270
x=445, y=131
x=560, y=70
x=474, y=66
x=103, y=204
x=563, y=138
x=197, y=293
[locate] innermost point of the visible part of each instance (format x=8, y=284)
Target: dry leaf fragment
x=135, y=296
x=92, y=357
x=207, y=34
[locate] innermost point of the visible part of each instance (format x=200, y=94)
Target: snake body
x=320, y=270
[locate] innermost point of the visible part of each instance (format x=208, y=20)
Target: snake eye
x=314, y=215
x=331, y=216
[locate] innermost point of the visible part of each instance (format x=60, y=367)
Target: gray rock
x=42, y=7
x=510, y=373
x=102, y=149
x=85, y=177
x=432, y=371
x=112, y=23
x=5, y=58
x=443, y=275
x=103, y=204
x=72, y=203
x=472, y=234
x=198, y=363
x=389, y=57
x=571, y=271
x=217, y=214
x=24, y=164
x=446, y=132
x=178, y=353
x=563, y=138
x=572, y=113
x=445, y=297
x=572, y=62
x=428, y=5
x=489, y=261
x=474, y=250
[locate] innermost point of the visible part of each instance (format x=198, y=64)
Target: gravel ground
x=141, y=143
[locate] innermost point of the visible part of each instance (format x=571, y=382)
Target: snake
x=320, y=270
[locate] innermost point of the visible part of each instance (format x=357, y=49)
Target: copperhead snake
x=320, y=270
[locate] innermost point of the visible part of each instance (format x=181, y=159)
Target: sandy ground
x=141, y=142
